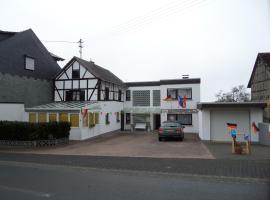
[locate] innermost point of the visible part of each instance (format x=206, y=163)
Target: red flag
x=184, y=102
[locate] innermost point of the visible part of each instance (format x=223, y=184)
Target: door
x=122, y=121
x=157, y=121
x=219, y=120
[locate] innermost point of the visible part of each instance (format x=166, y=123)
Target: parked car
x=171, y=129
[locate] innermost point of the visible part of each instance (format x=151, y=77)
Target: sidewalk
x=210, y=167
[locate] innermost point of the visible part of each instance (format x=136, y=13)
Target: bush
x=33, y=131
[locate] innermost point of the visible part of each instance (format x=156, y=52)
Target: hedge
x=26, y=131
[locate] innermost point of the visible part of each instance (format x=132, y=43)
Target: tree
x=237, y=94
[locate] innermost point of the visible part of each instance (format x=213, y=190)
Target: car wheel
x=159, y=139
x=181, y=138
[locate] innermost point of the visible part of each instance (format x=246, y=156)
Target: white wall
x=12, y=112
x=83, y=133
x=191, y=104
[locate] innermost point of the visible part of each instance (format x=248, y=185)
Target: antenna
x=80, y=47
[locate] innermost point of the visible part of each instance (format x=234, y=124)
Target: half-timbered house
x=82, y=80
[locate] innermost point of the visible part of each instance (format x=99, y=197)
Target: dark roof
x=14, y=46
x=96, y=70
x=203, y=105
x=263, y=56
x=164, y=82
x=142, y=83
x=56, y=58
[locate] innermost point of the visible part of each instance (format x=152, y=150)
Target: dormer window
x=75, y=73
x=29, y=63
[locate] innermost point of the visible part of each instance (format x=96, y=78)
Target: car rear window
x=170, y=124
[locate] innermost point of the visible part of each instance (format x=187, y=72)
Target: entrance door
x=157, y=121
x=122, y=121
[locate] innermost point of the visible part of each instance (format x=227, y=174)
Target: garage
x=214, y=116
x=220, y=118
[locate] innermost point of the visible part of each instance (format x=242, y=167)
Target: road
x=21, y=180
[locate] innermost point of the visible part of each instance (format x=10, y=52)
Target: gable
x=66, y=72
x=14, y=49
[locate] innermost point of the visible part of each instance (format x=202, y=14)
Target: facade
x=27, y=69
x=214, y=116
x=111, y=104
x=145, y=102
x=260, y=78
x=88, y=96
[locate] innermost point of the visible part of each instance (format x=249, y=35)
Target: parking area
x=132, y=144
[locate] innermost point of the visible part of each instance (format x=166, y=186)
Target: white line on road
x=25, y=191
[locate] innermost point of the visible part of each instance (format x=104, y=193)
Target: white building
x=112, y=104
x=145, y=102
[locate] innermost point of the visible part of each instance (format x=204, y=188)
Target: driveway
x=127, y=144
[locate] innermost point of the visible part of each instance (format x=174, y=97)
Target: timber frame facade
x=81, y=80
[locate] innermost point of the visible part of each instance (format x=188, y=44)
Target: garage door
x=219, y=120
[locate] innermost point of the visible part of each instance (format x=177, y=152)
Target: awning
x=71, y=106
x=179, y=111
x=142, y=110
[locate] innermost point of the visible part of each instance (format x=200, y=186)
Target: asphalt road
x=20, y=180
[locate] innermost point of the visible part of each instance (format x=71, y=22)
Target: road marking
x=25, y=191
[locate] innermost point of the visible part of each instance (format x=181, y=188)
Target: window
x=107, y=119
x=96, y=118
x=52, y=117
x=74, y=120
x=91, y=120
x=174, y=93
x=75, y=95
x=127, y=118
x=29, y=63
x=156, y=97
x=75, y=73
x=141, y=97
x=32, y=117
x=185, y=119
x=63, y=117
x=128, y=95
x=119, y=95
x=106, y=98
x=42, y=117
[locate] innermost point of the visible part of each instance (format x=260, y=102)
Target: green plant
x=33, y=131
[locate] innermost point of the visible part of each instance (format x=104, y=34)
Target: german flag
x=231, y=126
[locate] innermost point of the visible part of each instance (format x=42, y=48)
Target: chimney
x=185, y=76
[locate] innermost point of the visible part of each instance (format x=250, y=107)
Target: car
x=171, y=129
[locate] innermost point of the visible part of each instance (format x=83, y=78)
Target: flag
x=168, y=98
x=255, y=129
x=182, y=101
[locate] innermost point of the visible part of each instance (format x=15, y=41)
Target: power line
x=139, y=22
x=58, y=41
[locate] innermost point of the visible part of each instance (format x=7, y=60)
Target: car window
x=170, y=124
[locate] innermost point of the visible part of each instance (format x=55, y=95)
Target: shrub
x=33, y=131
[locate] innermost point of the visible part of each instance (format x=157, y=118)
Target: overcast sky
x=147, y=40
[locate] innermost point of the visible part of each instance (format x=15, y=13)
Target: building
x=27, y=70
x=214, y=116
x=145, y=102
x=259, y=81
x=112, y=104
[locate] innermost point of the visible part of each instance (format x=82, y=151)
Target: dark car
x=171, y=129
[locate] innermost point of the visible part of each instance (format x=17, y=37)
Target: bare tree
x=237, y=94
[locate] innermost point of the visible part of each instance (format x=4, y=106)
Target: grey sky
x=141, y=40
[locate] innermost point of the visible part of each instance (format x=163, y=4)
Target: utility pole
x=80, y=47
